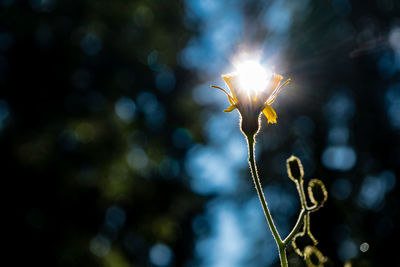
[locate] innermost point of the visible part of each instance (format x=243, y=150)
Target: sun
x=253, y=77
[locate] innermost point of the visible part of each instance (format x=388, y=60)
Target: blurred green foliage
x=71, y=157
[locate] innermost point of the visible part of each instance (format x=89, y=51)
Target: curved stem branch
x=304, y=216
x=297, y=227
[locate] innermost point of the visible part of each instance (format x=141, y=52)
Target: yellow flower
x=250, y=103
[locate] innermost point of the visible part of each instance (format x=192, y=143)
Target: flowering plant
x=252, y=91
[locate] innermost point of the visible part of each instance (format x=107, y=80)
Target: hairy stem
x=300, y=189
x=304, y=206
x=282, y=255
x=297, y=227
x=256, y=179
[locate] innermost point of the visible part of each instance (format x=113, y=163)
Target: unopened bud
x=301, y=241
x=294, y=168
x=314, y=257
x=317, y=192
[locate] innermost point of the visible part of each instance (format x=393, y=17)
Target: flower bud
x=317, y=192
x=250, y=124
x=301, y=241
x=294, y=168
x=314, y=257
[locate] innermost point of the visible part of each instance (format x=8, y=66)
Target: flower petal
x=272, y=97
x=275, y=80
x=230, y=108
x=231, y=80
x=230, y=98
x=270, y=113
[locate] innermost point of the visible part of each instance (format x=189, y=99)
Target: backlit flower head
x=252, y=91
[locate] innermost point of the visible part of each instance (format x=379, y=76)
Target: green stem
x=300, y=189
x=256, y=179
x=307, y=223
x=304, y=215
x=282, y=256
x=297, y=227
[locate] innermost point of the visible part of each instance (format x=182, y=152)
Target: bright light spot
x=253, y=77
x=160, y=255
x=204, y=165
x=374, y=188
x=227, y=246
x=341, y=158
x=125, y=108
x=137, y=159
x=364, y=247
x=100, y=246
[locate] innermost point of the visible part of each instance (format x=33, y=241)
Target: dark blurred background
x=115, y=152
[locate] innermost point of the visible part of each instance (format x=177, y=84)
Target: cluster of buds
x=304, y=243
x=316, y=188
